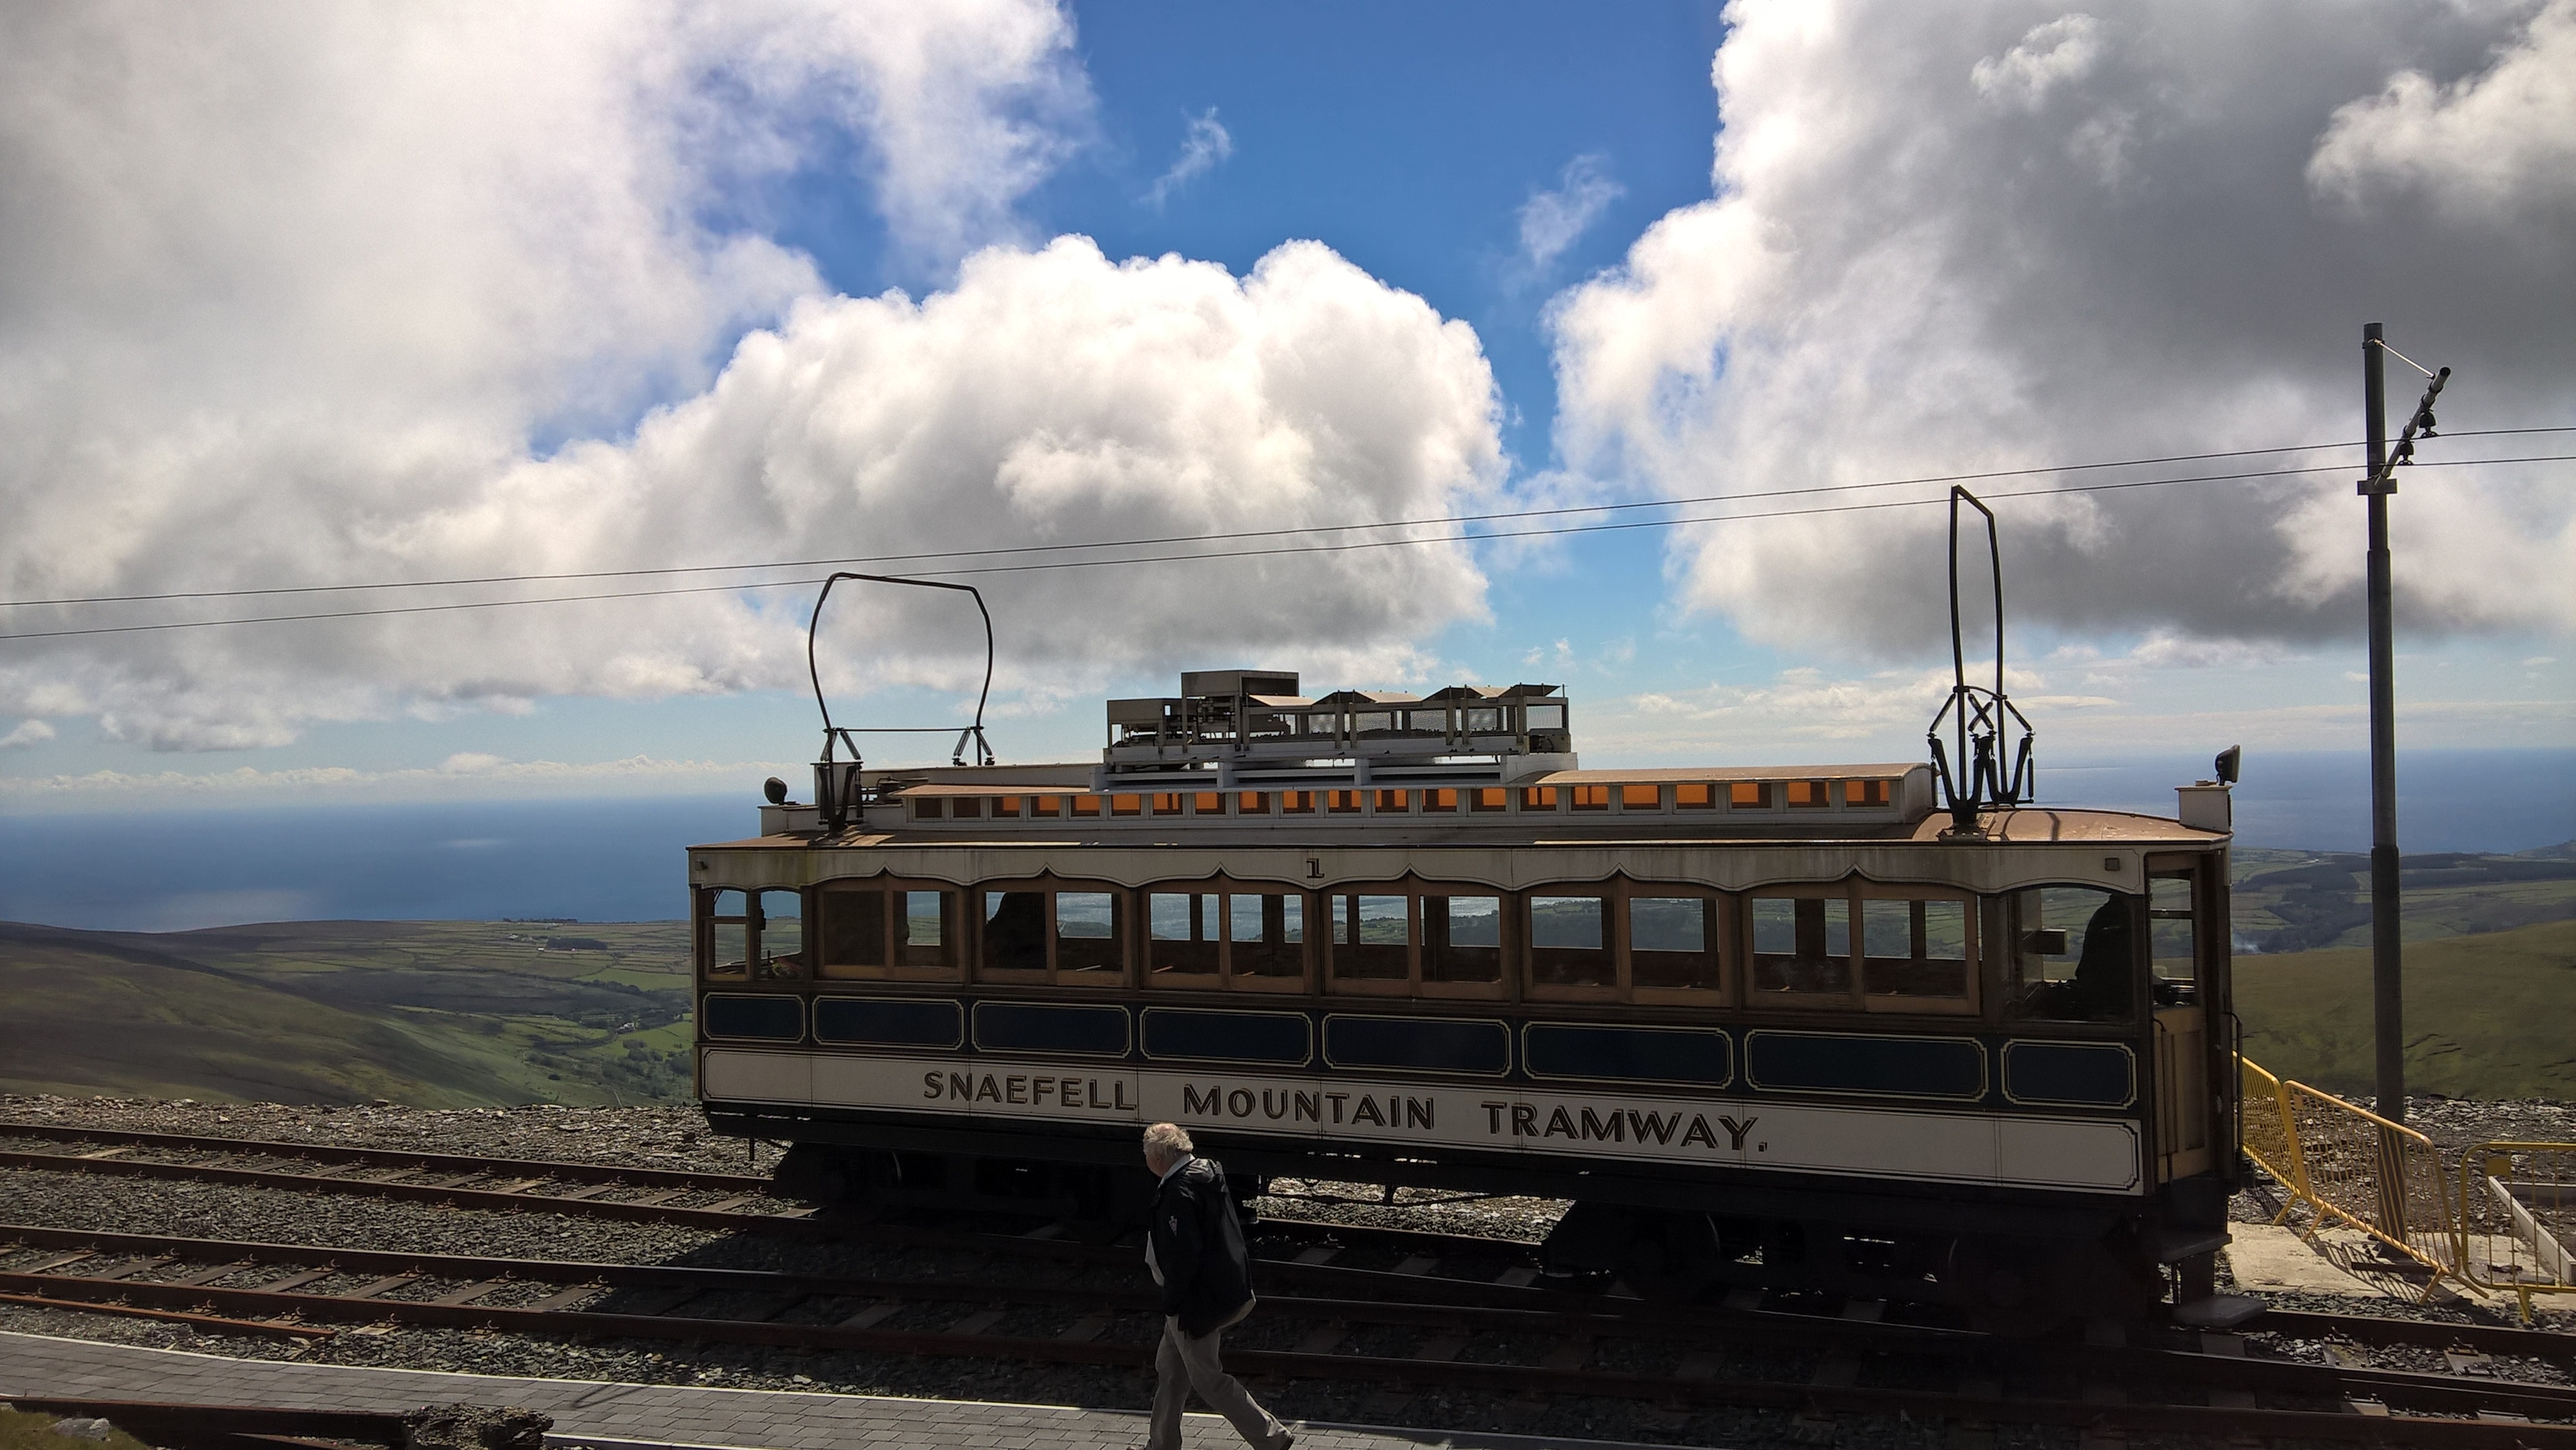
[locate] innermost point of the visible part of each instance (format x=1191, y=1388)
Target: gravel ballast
x=677, y=1138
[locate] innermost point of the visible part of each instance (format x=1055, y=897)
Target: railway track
x=1661, y=1354
x=1417, y=1323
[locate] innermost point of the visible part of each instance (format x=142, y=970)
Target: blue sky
x=608, y=322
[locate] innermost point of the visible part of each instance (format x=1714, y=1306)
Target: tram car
x=1839, y=1028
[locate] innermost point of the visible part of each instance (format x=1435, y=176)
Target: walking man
x=1195, y=1250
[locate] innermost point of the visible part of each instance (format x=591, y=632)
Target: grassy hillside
x=436, y=1014
x=2487, y=1015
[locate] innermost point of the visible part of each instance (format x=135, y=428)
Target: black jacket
x=1198, y=1246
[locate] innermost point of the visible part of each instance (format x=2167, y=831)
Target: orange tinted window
x=1493, y=798
x=1808, y=793
x=1126, y=805
x=1592, y=797
x=1252, y=803
x=1538, y=798
x=1082, y=805
x=1341, y=800
x=1043, y=805
x=1394, y=800
x=1641, y=797
x=1749, y=795
x=1694, y=797
x=1440, y=800
x=1865, y=792
x=1006, y=805
x=1297, y=802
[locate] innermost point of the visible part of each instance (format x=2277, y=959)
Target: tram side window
x=1462, y=938
x=1088, y=928
x=778, y=935
x=1915, y=949
x=1672, y=943
x=2073, y=956
x=1570, y=942
x=2175, y=956
x=1266, y=936
x=1014, y=938
x=925, y=931
x=850, y=932
x=728, y=939
x=1181, y=934
x=1372, y=938
x=1801, y=945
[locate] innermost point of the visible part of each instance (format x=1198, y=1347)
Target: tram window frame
x=1207, y=928
x=1053, y=974
x=1390, y=802
x=1546, y=798
x=1252, y=803
x=1207, y=803
x=1082, y=805
x=1590, y=797
x=1751, y=795
x=1441, y=801
x=1619, y=896
x=927, y=807
x=966, y=808
x=2167, y=990
x=711, y=918
x=1420, y=943
x=1005, y=807
x=1807, y=795
x=1874, y=794
x=898, y=958
x=1971, y=1000
x=1239, y=978
x=1344, y=802
x=2023, y=996
x=1847, y=998
x=1694, y=795
x=1635, y=798
x=1298, y=802
x=1491, y=798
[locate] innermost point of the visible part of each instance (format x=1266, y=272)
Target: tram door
x=2181, y=936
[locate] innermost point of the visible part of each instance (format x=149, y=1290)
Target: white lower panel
x=2085, y=1154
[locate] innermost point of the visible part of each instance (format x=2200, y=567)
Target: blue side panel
x=1029, y=1027
x=2073, y=1074
x=1280, y=1039
x=1830, y=1062
x=889, y=1022
x=759, y=1019
x=1431, y=1044
x=1701, y=1056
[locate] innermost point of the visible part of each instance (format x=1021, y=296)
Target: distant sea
x=620, y=860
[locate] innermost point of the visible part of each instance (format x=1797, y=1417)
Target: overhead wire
x=1226, y=537
x=1294, y=549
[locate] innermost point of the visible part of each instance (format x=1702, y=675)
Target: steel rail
x=397, y=1158
x=483, y=1275
x=160, y=1422
x=2378, y=1329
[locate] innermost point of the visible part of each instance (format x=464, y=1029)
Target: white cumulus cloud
x=1551, y=221
x=335, y=295
x=2003, y=234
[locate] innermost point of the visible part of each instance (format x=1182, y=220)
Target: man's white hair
x=1167, y=1139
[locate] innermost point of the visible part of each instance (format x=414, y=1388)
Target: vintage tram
x=1832, y=1027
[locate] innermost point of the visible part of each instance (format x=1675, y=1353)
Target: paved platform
x=606, y=1414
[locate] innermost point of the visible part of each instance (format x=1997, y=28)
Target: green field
x=434, y=1014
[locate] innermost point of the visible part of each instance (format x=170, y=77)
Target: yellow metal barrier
x=2517, y=1217
x=2265, y=1131
x=2382, y=1178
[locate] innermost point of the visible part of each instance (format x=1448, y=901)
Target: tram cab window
x=1801, y=946
x=1372, y=938
x=1181, y=932
x=1266, y=939
x=1462, y=939
x=1569, y=940
x=1917, y=955
x=2073, y=954
x=2174, y=954
x=1672, y=944
x=725, y=950
x=1071, y=937
x=778, y=935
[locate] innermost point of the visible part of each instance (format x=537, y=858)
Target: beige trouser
x=1184, y=1364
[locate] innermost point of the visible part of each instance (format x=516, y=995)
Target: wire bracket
x=836, y=783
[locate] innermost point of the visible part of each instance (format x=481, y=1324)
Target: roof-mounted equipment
x=1983, y=720
x=837, y=789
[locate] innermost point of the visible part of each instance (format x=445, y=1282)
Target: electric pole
x=2387, y=1000
x=2386, y=995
